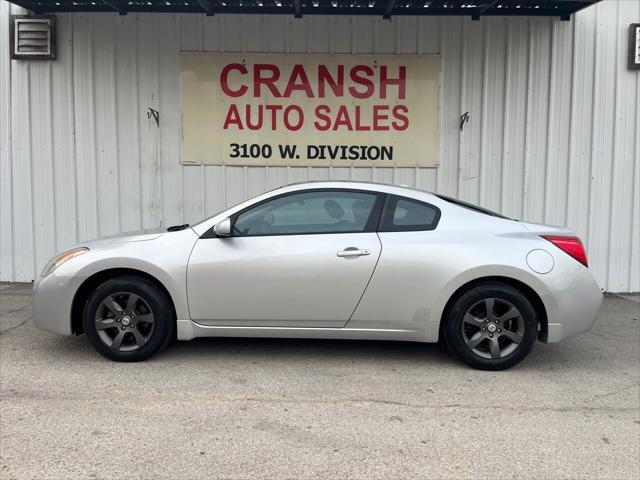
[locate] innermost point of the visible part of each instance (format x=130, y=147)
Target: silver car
x=336, y=260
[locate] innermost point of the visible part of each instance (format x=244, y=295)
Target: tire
x=128, y=319
x=491, y=341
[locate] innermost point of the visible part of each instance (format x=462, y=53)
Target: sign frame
x=330, y=163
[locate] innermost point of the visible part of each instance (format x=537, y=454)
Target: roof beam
x=32, y=6
x=476, y=16
x=549, y=8
x=297, y=8
x=207, y=6
x=117, y=6
x=387, y=9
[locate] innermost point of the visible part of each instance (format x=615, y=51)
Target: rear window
x=403, y=214
x=471, y=206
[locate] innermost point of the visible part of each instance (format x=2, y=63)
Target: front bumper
x=52, y=300
x=574, y=310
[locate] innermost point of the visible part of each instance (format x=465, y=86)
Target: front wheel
x=128, y=319
x=491, y=327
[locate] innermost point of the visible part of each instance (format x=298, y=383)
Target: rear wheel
x=128, y=319
x=491, y=327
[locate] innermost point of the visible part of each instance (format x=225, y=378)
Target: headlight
x=59, y=259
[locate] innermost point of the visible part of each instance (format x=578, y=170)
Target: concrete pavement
x=236, y=408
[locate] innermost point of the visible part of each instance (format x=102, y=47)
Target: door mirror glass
x=223, y=228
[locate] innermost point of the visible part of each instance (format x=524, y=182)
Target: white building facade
x=552, y=137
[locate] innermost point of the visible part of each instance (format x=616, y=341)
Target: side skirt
x=187, y=330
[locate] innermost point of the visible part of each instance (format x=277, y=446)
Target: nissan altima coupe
x=339, y=260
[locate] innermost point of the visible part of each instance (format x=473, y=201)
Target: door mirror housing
x=223, y=228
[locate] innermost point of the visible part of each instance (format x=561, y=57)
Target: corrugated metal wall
x=553, y=136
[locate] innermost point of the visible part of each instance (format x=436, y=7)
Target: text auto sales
x=359, y=82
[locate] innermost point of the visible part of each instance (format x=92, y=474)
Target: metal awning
x=298, y=8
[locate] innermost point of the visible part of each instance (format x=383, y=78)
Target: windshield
x=471, y=206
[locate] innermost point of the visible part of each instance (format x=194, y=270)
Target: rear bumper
x=574, y=310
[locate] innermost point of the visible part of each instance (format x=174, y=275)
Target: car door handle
x=354, y=252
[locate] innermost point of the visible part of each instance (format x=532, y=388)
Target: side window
x=336, y=211
x=404, y=214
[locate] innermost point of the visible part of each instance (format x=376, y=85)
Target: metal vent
x=32, y=37
x=634, y=46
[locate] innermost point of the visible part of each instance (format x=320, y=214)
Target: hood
x=126, y=237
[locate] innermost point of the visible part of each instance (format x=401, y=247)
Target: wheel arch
x=526, y=290
x=83, y=292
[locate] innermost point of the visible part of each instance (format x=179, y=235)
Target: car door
x=301, y=259
x=414, y=265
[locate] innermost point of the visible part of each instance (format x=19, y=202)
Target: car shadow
x=272, y=349
x=543, y=358
x=305, y=349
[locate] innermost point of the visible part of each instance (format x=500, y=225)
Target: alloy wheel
x=124, y=321
x=493, y=328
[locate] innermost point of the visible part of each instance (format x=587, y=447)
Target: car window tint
x=405, y=215
x=308, y=212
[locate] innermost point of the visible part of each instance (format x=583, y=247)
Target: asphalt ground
x=238, y=408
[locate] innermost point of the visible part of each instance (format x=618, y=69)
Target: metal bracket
x=151, y=113
x=390, y=5
x=464, y=118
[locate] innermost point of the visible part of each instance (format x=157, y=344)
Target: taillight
x=570, y=245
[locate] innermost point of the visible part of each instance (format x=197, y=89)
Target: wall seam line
x=616, y=101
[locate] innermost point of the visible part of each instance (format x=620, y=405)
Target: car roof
x=354, y=182
x=358, y=185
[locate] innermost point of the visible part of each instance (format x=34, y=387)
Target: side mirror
x=223, y=228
